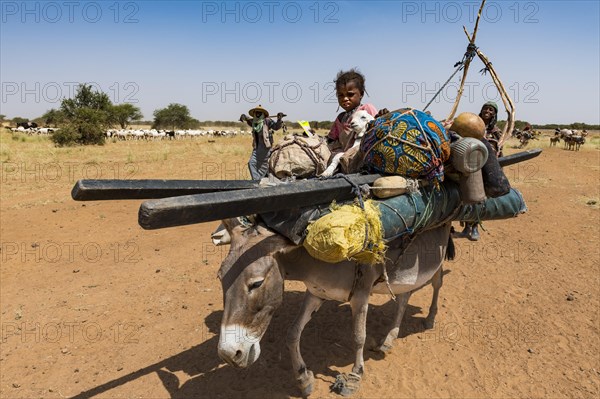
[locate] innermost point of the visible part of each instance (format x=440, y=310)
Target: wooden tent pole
x=467, y=64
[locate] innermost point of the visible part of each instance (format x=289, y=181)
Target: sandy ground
x=92, y=305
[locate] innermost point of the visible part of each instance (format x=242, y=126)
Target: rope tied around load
x=350, y=231
x=468, y=56
x=367, y=244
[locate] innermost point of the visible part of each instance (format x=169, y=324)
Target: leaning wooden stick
x=466, y=66
x=508, y=103
x=506, y=100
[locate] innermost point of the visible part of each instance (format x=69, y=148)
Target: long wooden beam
x=200, y=208
x=91, y=190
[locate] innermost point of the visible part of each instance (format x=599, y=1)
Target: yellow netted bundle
x=348, y=232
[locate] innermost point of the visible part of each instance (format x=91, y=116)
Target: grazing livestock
x=524, y=139
x=259, y=260
x=31, y=130
x=566, y=134
x=577, y=141
x=573, y=139
x=153, y=134
x=27, y=125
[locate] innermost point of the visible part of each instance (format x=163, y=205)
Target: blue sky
x=222, y=58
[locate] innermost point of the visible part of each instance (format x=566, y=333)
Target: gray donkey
x=259, y=261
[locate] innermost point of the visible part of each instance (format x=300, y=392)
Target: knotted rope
x=470, y=53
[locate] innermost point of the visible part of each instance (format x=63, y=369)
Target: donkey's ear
x=245, y=221
x=224, y=232
x=221, y=236
x=229, y=224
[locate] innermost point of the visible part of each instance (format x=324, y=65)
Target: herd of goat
x=136, y=134
x=154, y=134
x=573, y=139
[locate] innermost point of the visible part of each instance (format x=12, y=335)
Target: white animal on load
x=359, y=122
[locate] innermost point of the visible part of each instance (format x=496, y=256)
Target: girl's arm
x=370, y=108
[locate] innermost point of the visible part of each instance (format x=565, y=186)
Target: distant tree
x=174, y=116
x=124, y=114
x=17, y=119
x=192, y=124
x=86, y=118
x=577, y=125
x=52, y=118
x=325, y=125
x=518, y=124
x=2, y=118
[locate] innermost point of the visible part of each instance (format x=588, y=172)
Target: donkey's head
x=252, y=290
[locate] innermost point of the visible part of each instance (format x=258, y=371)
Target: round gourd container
x=468, y=124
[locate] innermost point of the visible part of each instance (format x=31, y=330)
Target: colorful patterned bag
x=409, y=143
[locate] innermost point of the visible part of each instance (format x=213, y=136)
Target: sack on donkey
x=409, y=143
x=299, y=156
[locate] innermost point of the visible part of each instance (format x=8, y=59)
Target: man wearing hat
x=262, y=139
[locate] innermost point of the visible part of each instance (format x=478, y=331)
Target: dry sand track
x=91, y=304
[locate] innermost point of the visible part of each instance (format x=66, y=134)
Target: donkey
x=258, y=262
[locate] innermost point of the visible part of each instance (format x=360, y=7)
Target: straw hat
x=253, y=111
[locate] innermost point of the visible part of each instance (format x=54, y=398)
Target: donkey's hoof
x=429, y=323
x=385, y=347
x=305, y=383
x=346, y=384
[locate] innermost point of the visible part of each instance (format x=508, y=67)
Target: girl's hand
x=382, y=112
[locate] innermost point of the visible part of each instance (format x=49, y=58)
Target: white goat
x=359, y=122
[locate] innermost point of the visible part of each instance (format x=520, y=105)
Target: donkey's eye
x=255, y=285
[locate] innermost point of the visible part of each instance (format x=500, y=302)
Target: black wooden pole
x=89, y=190
x=190, y=209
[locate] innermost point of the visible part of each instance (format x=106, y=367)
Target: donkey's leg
x=388, y=342
x=304, y=377
x=348, y=384
x=360, y=307
x=436, y=282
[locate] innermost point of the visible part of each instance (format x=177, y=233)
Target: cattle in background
x=27, y=125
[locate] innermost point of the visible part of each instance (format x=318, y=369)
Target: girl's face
x=349, y=96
